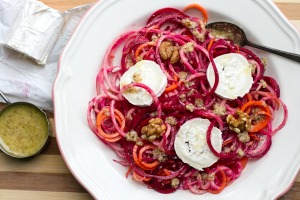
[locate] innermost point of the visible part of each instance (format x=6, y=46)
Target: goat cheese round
x=235, y=78
x=148, y=73
x=191, y=146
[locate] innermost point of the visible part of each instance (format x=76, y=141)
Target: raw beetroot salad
x=143, y=137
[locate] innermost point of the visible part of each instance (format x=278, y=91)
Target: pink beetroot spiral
x=188, y=95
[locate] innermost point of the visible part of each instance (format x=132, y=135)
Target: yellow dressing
x=23, y=129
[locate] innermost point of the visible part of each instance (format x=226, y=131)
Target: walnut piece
x=160, y=155
x=182, y=75
x=188, y=47
x=243, y=137
x=192, y=25
x=199, y=103
x=240, y=124
x=240, y=153
x=154, y=129
x=171, y=120
x=263, y=83
x=168, y=51
x=175, y=182
x=132, y=136
x=188, y=23
x=219, y=109
x=190, y=107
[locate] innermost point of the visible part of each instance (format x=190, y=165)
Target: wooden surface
x=46, y=175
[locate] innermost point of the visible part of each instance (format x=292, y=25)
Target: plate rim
x=59, y=77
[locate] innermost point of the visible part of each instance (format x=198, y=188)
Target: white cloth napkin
x=21, y=79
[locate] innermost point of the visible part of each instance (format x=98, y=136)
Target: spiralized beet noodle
x=152, y=160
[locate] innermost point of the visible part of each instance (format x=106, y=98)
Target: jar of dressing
x=24, y=130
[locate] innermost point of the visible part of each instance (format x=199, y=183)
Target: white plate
x=91, y=162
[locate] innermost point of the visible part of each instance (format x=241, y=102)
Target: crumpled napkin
x=21, y=79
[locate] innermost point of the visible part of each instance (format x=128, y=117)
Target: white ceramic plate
x=91, y=162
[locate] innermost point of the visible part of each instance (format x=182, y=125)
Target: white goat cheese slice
x=235, y=78
x=148, y=73
x=191, y=146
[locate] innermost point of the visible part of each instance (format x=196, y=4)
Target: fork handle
x=291, y=56
x=4, y=98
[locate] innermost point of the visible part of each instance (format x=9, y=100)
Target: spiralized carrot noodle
x=150, y=157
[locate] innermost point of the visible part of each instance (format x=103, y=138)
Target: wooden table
x=46, y=175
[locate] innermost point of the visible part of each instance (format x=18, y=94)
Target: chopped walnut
x=227, y=149
x=240, y=153
x=171, y=120
x=188, y=47
x=219, y=109
x=154, y=38
x=132, y=136
x=144, y=137
x=190, y=107
x=188, y=23
x=263, y=83
x=175, y=182
x=165, y=50
x=211, y=177
x=191, y=92
x=264, y=61
x=154, y=129
x=252, y=67
x=139, y=143
x=256, y=117
x=199, y=103
x=175, y=55
x=244, y=137
x=168, y=51
x=200, y=36
x=152, y=137
x=192, y=25
x=182, y=97
x=160, y=155
x=204, y=176
x=153, y=114
x=202, y=25
x=182, y=75
x=241, y=124
x=188, y=84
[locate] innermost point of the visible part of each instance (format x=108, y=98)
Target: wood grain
x=63, y=5
x=38, y=164
x=56, y=182
x=290, y=10
x=9, y=194
x=46, y=176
